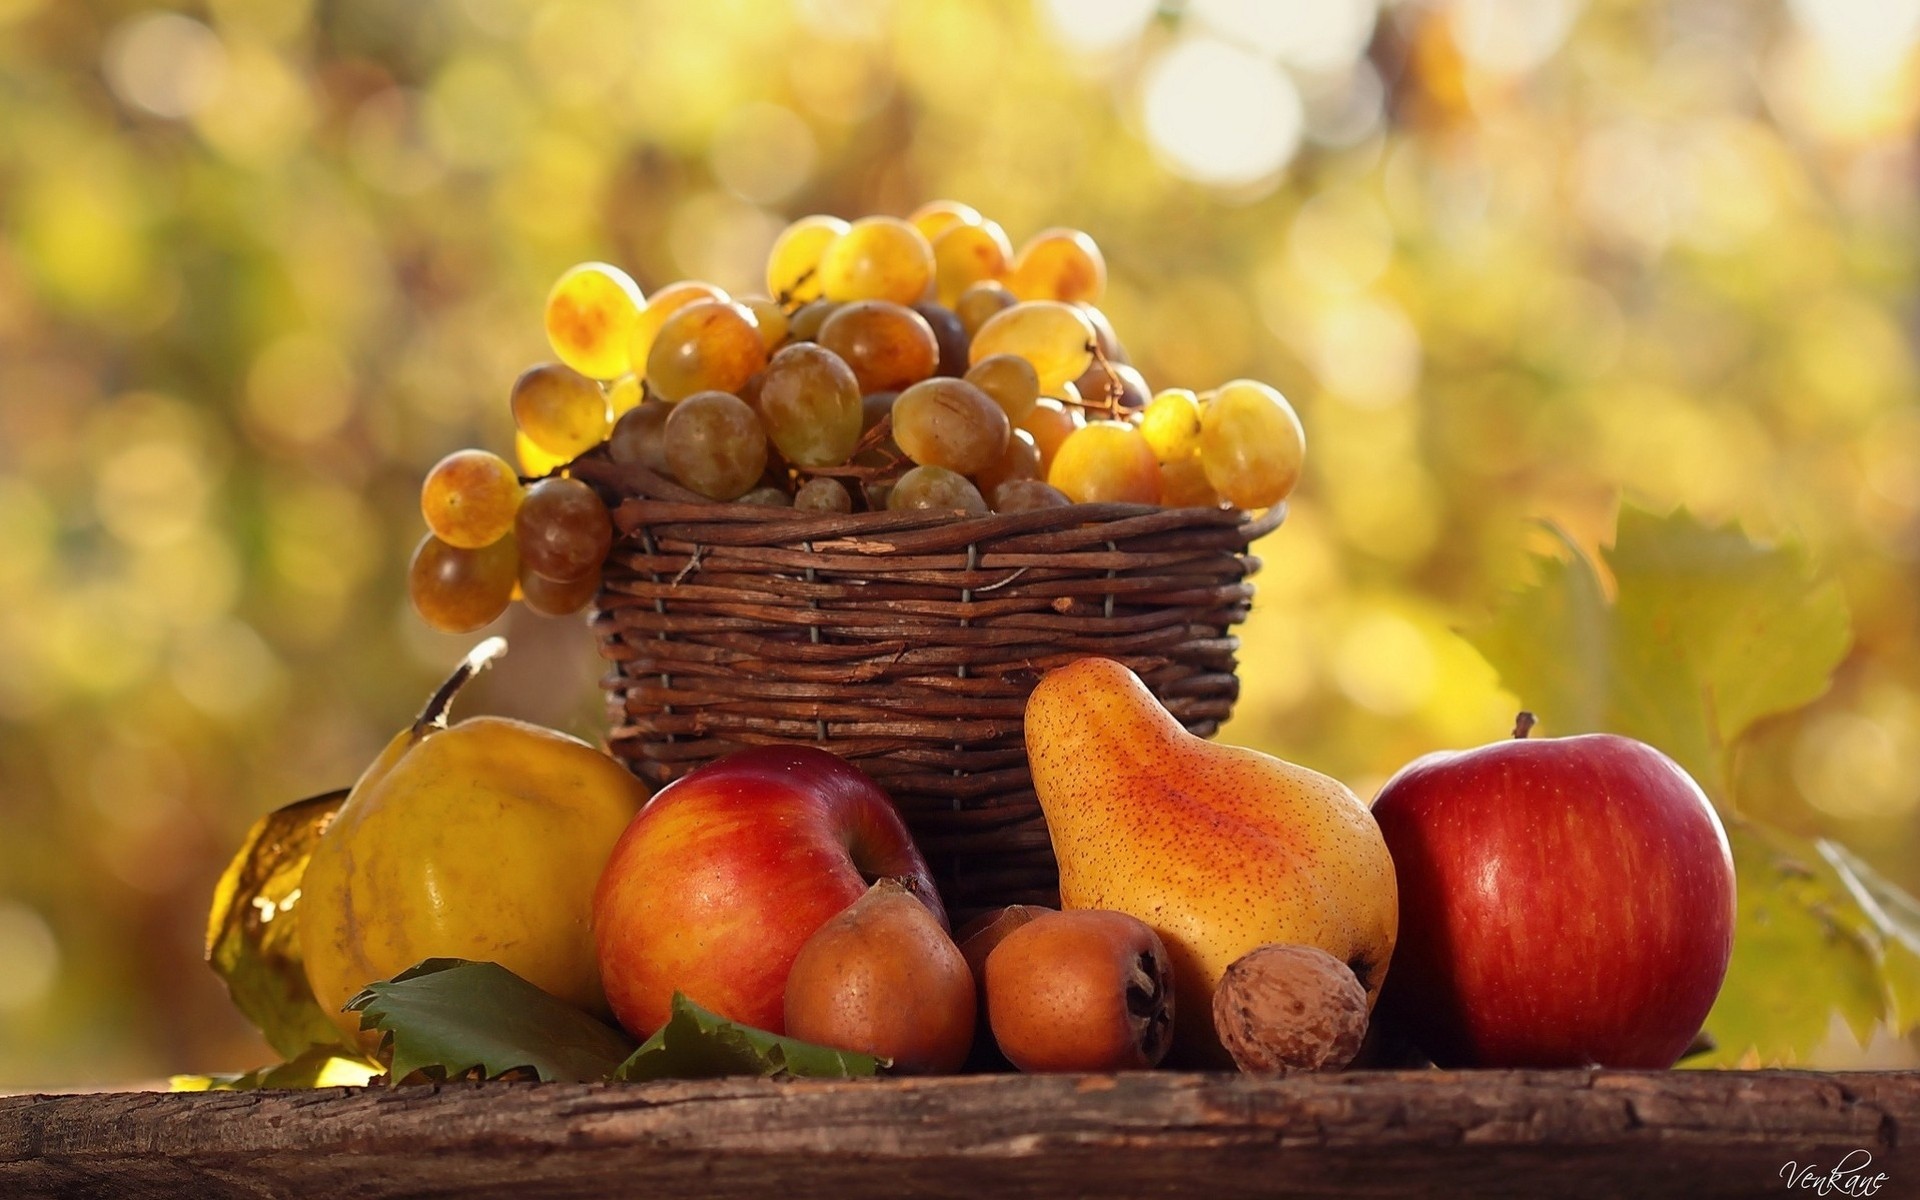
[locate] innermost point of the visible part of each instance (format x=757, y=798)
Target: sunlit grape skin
x=1050, y=423
x=888, y=346
x=664, y=303
x=1059, y=264
x=590, y=311
x=556, y=598
x=716, y=445
x=1106, y=462
x=935, y=488
x=977, y=304
x=809, y=402
x=770, y=319
x=1171, y=425
x=458, y=591
x=469, y=498
x=1010, y=381
x=625, y=394
x=706, y=346
x=1056, y=338
x=1183, y=484
x=950, y=423
x=560, y=410
x=964, y=255
x=793, y=265
x=878, y=258
x=1251, y=444
x=1020, y=460
x=937, y=216
x=563, y=529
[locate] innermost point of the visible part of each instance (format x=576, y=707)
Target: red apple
x=1564, y=902
x=725, y=873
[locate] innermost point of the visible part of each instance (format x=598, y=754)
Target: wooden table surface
x=1559, y=1134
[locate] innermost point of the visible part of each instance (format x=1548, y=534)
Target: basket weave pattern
x=907, y=642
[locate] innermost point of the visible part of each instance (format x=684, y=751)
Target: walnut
x=1290, y=1008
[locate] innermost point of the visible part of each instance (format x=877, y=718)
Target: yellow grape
x=1251, y=444
x=590, y=312
x=771, y=318
x=889, y=346
x=1020, y=460
x=977, y=304
x=636, y=439
x=1056, y=338
x=1010, y=380
x=554, y=598
x=563, y=529
x=1050, y=423
x=707, y=346
x=533, y=460
x=563, y=411
x=793, y=265
x=716, y=445
x=1106, y=461
x=623, y=394
x=950, y=423
x=822, y=494
x=937, y=216
x=469, y=498
x=878, y=258
x=666, y=302
x=968, y=254
x=809, y=402
x=804, y=325
x=458, y=591
x=1183, y=484
x=1059, y=264
x=1023, y=495
x=936, y=488
x=1171, y=425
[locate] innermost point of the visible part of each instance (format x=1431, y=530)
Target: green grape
x=707, y=346
x=767, y=497
x=666, y=302
x=469, y=498
x=978, y=304
x=1056, y=338
x=1021, y=460
x=1183, y=484
x=793, y=265
x=937, y=488
x=1023, y=495
x=771, y=320
x=965, y=255
x=950, y=423
x=822, y=494
x=624, y=394
x=716, y=445
x=1106, y=461
x=1251, y=444
x=1059, y=264
x=810, y=404
x=1050, y=423
x=638, y=437
x=804, y=326
x=1010, y=381
x=937, y=216
x=458, y=591
x=563, y=529
x=878, y=258
x=1171, y=425
x=590, y=312
x=560, y=410
x=889, y=346
x=557, y=598
x=949, y=335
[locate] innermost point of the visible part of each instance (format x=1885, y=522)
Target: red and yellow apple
x=1564, y=902
x=721, y=878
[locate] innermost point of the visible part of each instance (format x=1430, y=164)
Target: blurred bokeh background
x=263, y=261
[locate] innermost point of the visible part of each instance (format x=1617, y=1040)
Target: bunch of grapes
x=893, y=364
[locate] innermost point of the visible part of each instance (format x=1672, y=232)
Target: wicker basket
x=907, y=642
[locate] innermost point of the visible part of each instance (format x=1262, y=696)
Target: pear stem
x=434, y=715
x=1523, y=725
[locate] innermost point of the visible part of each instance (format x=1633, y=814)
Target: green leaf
x=697, y=1044
x=319, y=1067
x=252, y=943
x=448, y=1017
x=1895, y=918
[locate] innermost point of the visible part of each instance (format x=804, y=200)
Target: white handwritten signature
x=1847, y=1178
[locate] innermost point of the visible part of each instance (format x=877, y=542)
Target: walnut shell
x=1290, y=1008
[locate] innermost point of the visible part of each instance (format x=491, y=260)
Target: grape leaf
x=320, y=1066
x=1708, y=633
x=251, y=942
x=447, y=1017
x=697, y=1044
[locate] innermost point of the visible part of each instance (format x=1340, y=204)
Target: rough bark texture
x=1488, y=1134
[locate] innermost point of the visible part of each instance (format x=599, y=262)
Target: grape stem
x=1109, y=403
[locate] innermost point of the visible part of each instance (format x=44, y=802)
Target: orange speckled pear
x=1220, y=849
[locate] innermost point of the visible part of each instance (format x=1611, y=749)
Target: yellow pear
x=483, y=840
x=1218, y=848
